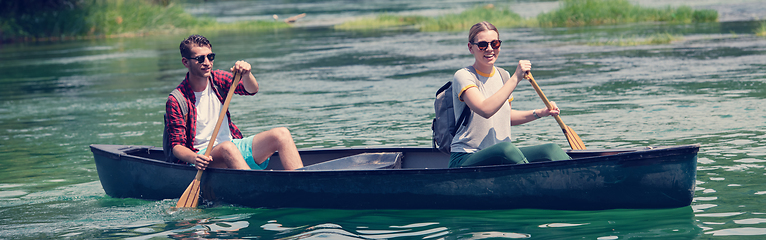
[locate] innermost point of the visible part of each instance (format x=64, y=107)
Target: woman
x=486, y=139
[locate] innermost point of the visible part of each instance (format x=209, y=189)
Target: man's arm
x=189, y=156
x=248, y=80
x=176, y=122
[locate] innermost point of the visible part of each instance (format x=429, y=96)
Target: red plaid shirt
x=182, y=132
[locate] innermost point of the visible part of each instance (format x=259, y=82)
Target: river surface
x=375, y=88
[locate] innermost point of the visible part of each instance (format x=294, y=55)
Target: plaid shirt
x=182, y=132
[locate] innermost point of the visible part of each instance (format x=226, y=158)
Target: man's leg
x=226, y=155
x=277, y=140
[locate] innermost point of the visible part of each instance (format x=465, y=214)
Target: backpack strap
x=182, y=102
x=463, y=120
x=503, y=74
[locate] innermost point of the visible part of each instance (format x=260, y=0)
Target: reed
x=761, y=30
x=113, y=18
x=574, y=13
x=118, y=17
x=382, y=21
x=654, y=39
x=500, y=17
x=31, y=18
x=240, y=26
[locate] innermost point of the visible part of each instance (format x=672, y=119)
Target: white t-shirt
x=208, y=109
x=480, y=133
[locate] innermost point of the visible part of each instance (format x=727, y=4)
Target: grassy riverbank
x=622, y=41
x=761, y=31
x=40, y=20
x=498, y=16
x=571, y=13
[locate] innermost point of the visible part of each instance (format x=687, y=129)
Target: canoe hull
x=652, y=178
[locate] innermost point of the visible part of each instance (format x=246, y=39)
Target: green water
x=335, y=88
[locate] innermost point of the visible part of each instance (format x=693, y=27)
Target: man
x=189, y=139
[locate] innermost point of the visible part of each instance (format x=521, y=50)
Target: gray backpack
x=444, y=125
x=169, y=157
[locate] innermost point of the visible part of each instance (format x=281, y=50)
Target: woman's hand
x=522, y=69
x=548, y=112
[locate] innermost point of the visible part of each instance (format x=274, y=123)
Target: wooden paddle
x=190, y=198
x=574, y=140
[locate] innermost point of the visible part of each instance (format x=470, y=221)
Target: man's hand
x=201, y=161
x=242, y=67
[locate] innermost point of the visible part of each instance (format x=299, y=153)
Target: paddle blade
x=190, y=198
x=574, y=140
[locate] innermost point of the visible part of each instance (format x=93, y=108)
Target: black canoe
x=416, y=178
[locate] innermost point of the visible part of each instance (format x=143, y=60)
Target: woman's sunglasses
x=483, y=45
x=211, y=57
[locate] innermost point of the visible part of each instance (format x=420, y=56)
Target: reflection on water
x=335, y=88
x=388, y=224
x=205, y=228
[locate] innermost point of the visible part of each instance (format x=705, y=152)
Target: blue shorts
x=245, y=147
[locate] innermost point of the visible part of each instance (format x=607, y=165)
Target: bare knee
x=282, y=132
x=228, y=151
x=282, y=135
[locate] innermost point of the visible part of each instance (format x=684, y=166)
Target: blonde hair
x=480, y=27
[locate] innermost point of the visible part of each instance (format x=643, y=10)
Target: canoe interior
x=411, y=157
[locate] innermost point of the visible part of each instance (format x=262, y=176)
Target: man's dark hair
x=193, y=41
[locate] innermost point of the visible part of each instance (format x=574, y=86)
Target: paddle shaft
x=574, y=140
x=191, y=195
x=544, y=98
x=225, y=108
x=220, y=119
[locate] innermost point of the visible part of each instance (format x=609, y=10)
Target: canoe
x=416, y=178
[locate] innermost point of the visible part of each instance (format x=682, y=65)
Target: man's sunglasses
x=483, y=45
x=211, y=57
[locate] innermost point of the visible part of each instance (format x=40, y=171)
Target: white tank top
x=208, y=109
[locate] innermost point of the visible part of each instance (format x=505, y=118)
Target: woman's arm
x=487, y=107
x=522, y=117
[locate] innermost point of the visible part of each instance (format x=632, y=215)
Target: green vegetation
x=381, y=22
x=70, y=19
x=761, y=31
x=571, y=13
x=655, y=39
x=500, y=17
x=120, y=17
x=597, y=12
